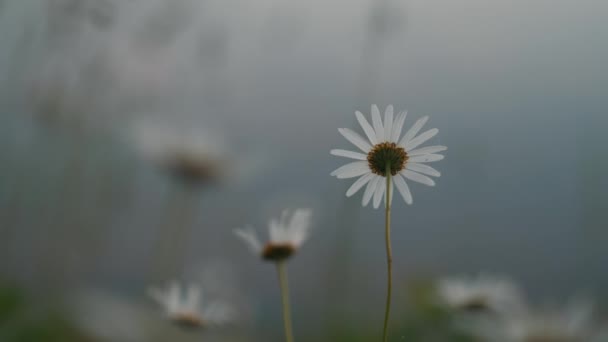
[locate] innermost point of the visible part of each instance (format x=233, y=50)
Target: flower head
x=187, y=310
x=571, y=324
x=387, y=152
x=190, y=156
x=481, y=294
x=286, y=235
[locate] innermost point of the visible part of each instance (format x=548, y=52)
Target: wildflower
x=286, y=236
x=386, y=161
x=387, y=154
x=574, y=323
x=191, y=156
x=187, y=310
x=481, y=294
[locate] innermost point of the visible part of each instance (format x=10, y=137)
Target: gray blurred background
x=518, y=90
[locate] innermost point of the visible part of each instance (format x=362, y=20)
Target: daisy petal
x=367, y=128
x=299, y=226
x=398, y=126
x=173, y=297
x=426, y=158
x=250, y=238
x=351, y=170
x=370, y=189
x=427, y=150
x=359, y=184
x=356, y=139
x=348, y=154
x=413, y=131
x=158, y=295
x=276, y=232
x=404, y=190
x=422, y=138
x=388, y=122
x=377, y=120
x=416, y=177
x=424, y=169
x=193, y=298
x=378, y=194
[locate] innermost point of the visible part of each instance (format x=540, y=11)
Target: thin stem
x=389, y=253
x=282, y=270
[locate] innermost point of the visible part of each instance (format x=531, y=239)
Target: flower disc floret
x=387, y=157
x=278, y=251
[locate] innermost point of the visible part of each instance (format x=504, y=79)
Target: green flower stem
x=389, y=253
x=282, y=271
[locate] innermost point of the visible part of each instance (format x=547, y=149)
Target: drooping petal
x=426, y=158
x=424, y=169
x=416, y=177
x=413, y=131
x=355, y=139
x=378, y=194
x=421, y=139
x=427, y=150
x=404, y=190
x=377, y=120
x=398, y=126
x=363, y=180
x=370, y=189
x=159, y=296
x=388, y=122
x=250, y=238
x=367, y=128
x=350, y=170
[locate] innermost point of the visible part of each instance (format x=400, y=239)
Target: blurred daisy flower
x=188, y=310
x=286, y=235
x=189, y=155
x=574, y=323
x=481, y=294
x=387, y=152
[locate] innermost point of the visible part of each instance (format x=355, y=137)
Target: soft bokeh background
x=88, y=220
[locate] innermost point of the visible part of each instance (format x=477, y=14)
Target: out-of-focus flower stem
x=282, y=271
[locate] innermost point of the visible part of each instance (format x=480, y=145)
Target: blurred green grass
x=21, y=320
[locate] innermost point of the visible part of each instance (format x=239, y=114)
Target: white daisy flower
x=571, y=324
x=285, y=235
x=190, y=155
x=187, y=310
x=386, y=151
x=481, y=294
